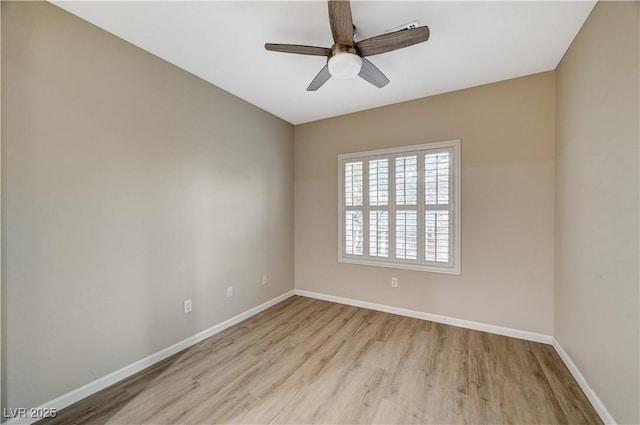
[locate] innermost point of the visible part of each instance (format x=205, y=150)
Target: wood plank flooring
x=310, y=361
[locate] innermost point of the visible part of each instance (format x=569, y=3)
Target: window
x=401, y=207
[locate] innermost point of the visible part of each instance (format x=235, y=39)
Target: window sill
x=422, y=268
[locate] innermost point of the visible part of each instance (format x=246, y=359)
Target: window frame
x=453, y=266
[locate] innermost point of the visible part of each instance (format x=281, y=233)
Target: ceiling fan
x=346, y=58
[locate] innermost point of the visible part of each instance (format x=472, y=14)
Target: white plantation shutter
x=438, y=208
x=379, y=233
x=378, y=171
x=354, y=208
x=379, y=182
x=354, y=228
x=437, y=236
x=400, y=207
x=407, y=235
x=406, y=204
x=437, y=167
x=353, y=188
x=407, y=180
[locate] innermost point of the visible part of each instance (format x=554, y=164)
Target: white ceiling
x=471, y=43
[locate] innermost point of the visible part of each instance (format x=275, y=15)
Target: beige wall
x=128, y=186
x=507, y=172
x=597, y=162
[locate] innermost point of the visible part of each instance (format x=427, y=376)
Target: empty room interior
x=320, y=212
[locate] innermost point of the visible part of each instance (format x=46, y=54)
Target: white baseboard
x=499, y=330
x=110, y=379
x=586, y=388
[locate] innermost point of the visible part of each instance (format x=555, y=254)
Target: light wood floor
x=310, y=361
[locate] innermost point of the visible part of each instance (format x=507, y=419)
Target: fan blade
x=301, y=50
x=392, y=41
x=322, y=77
x=369, y=72
x=341, y=22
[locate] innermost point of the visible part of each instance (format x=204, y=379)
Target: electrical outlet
x=229, y=291
x=394, y=282
x=187, y=306
x=264, y=279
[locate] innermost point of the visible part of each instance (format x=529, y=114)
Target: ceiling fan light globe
x=345, y=65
